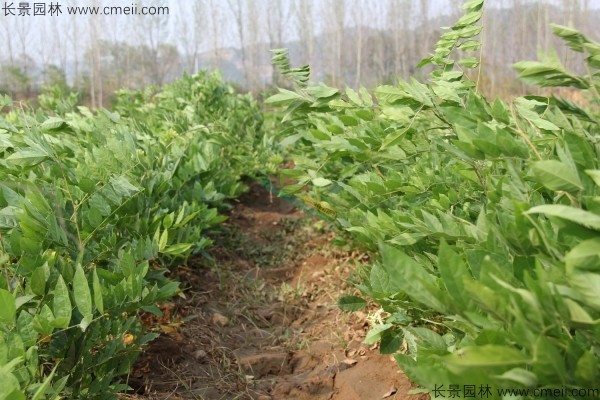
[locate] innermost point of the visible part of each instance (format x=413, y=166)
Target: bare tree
x=22, y=31
x=237, y=9
x=75, y=46
x=333, y=19
x=305, y=29
x=96, y=92
x=153, y=33
x=253, y=39
x=357, y=19
x=192, y=32
x=277, y=19
x=8, y=39
x=215, y=22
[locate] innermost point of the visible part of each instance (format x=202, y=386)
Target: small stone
x=318, y=274
x=200, y=354
x=220, y=319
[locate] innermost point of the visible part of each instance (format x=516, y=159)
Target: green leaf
x=8, y=217
x=22, y=300
x=375, y=332
x=556, y=175
x=354, y=97
x=113, y=116
x=409, y=277
x=9, y=385
x=588, y=285
x=453, y=270
x=26, y=329
x=321, y=182
x=168, y=290
x=42, y=321
x=163, y=241
x=284, y=97
x=393, y=138
x=380, y=282
x=38, y=280
x=574, y=39
x=489, y=355
x=41, y=391
x=586, y=371
x=53, y=123
x=584, y=256
x=429, y=338
x=576, y=215
x=548, y=363
x=351, y=303
x=468, y=19
x=547, y=74
x=595, y=175
x=391, y=340
x=8, y=309
x=473, y=5
x=469, y=62
x=578, y=314
x=62, y=305
x=521, y=376
x=127, y=264
x=470, y=45
x=98, y=299
x=82, y=294
x=178, y=249
x=27, y=157
x=321, y=91
x=123, y=187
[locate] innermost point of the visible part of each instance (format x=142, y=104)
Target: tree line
x=346, y=43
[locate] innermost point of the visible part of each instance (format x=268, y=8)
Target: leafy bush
x=483, y=216
x=92, y=204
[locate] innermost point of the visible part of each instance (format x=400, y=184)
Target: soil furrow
x=259, y=321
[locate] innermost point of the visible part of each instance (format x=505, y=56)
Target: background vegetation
x=346, y=42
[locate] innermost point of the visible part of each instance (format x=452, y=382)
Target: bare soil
x=260, y=320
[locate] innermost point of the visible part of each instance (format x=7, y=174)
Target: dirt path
x=260, y=320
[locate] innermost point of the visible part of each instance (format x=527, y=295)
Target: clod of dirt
x=282, y=389
x=349, y=362
x=261, y=365
x=390, y=393
x=219, y=319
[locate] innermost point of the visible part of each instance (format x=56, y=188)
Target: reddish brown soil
x=260, y=320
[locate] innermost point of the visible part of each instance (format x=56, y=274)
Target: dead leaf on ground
x=170, y=328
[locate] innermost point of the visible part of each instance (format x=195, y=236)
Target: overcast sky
x=37, y=34
x=52, y=38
